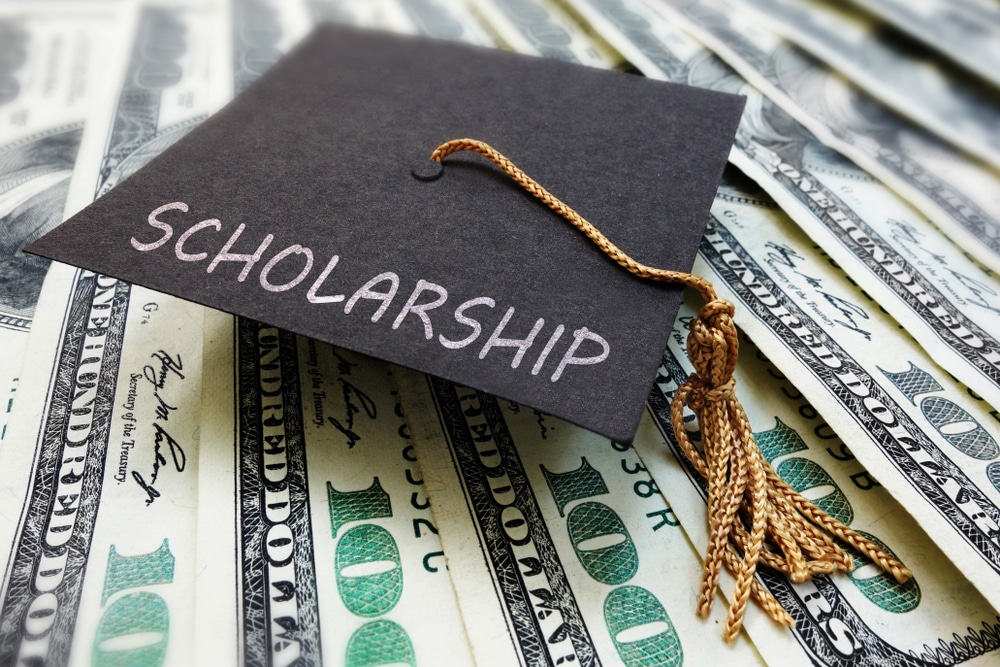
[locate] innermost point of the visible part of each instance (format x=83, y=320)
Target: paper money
x=99, y=469
x=861, y=618
x=960, y=196
x=317, y=493
x=544, y=29
x=561, y=548
x=53, y=56
x=944, y=98
x=919, y=433
x=261, y=32
x=350, y=12
x=436, y=18
x=432, y=18
x=967, y=31
x=947, y=302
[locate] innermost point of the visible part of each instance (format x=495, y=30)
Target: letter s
x=168, y=231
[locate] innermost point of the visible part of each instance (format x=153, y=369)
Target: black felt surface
x=320, y=153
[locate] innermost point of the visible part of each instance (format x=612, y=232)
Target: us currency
x=260, y=32
x=317, y=492
x=350, y=12
x=967, y=31
x=432, y=18
x=861, y=618
x=945, y=99
x=544, y=29
x=927, y=440
x=53, y=55
x=959, y=195
x=99, y=469
x=436, y=18
x=561, y=548
x=949, y=303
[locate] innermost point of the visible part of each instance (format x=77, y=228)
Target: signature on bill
x=366, y=404
x=164, y=370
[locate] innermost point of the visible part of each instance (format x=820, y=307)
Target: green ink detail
x=363, y=505
x=913, y=382
x=631, y=607
x=778, y=441
x=132, y=615
x=803, y=475
x=973, y=442
x=880, y=587
x=122, y=572
x=375, y=593
x=379, y=643
x=612, y=564
x=993, y=474
x=584, y=482
x=667, y=518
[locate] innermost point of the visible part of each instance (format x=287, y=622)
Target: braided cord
x=556, y=204
x=754, y=516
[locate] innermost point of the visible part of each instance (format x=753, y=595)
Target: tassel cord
x=754, y=516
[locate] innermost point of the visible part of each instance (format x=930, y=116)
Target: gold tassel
x=754, y=517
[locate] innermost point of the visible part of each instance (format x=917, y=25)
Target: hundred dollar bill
x=947, y=302
x=442, y=19
x=99, y=469
x=959, y=195
x=431, y=18
x=351, y=12
x=967, y=31
x=542, y=28
x=561, y=548
x=928, y=441
x=53, y=54
x=311, y=482
x=861, y=618
x=945, y=99
x=261, y=31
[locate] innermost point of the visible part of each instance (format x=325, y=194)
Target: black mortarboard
x=296, y=205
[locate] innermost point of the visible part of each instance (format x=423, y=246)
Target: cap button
x=427, y=170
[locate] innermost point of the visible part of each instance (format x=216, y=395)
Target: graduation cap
x=309, y=203
x=297, y=205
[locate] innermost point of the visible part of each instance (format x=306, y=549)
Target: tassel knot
x=701, y=394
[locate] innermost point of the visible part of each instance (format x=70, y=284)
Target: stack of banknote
x=179, y=486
